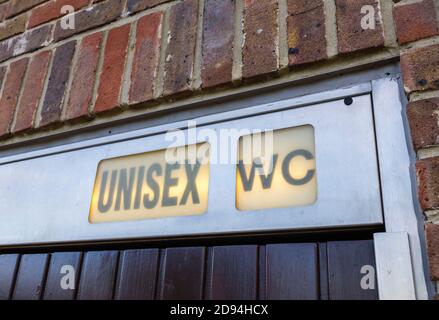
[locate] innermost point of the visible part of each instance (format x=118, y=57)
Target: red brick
x=351, y=36
x=180, y=53
x=415, y=21
x=56, y=89
x=260, y=52
x=218, y=37
x=26, y=42
x=428, y=179
x=3, y=70
x=113, y=69
x=52, y=10
x=4, y=8
x=424, y=122
x=93, y=17
x=420, y=68
x=306, y=31
x=18, y=6
x=146, y=58
x=140, y=5
x=11, y=93
x=432, y=231
x=84, y=77
x=32, y=92
x=13, y=27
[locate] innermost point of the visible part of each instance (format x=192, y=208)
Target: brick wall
x=140, y=53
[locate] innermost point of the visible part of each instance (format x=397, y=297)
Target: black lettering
x=266, y=180
x=125, y=189
x=169, y=182
x=286, y=168
x=140, y=177
x=191, y=187
x=105, y=207
x=247, y=182
x=147, y=202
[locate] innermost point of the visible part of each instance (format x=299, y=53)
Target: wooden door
x=286, y=271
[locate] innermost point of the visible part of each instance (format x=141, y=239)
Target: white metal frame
x=400, y=264
x=395, y=269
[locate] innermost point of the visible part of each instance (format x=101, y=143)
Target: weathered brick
x=56, y=88
x=415, y=21
x=218, y=37
x=98, y=15
x=4, y=8
x=113, y=69
x=297, y=6
x=18, y=6
x=428, y=179
x=351, y=35
x=306, y=31
x=432, y=231
x=13, y=27
x=260, y=52
x=180, y=52
x=84, y=77
x=140, y=5
x=32, y=91
x=11, y=93
x=420, y=68
x=25, y=42
x=424, y=122
x=3, y=70
x=51, y=10
x=146, y=58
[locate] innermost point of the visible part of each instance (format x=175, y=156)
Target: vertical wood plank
x=31, y=277
x=98, y=276
x=8, y=271
x=323, y=262
x=137, y=275
x=262, y=273
x=63, y=265
x=345, y=261
x=234, y=273
x=292, y=272
x=183, y=274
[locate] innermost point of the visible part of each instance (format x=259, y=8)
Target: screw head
x=348, y=101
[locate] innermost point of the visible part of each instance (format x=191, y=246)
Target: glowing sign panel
x=148, y=186
x=284, y=177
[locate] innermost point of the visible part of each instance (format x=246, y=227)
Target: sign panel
x=284, y=176
x=325, y=175
x=152, y=185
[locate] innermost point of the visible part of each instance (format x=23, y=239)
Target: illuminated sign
x=148, y=186
x=274, y=170
x=284, y=177
x=320, y=171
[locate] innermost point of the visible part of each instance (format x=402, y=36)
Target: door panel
x=98, y=276
x=182, y=274
x=311, y=271
x=350, y=264
x=138, y=275
x=8, y=271
x=63, y=265
x=323, y=266
x=233, y=273
x=31, y=277
x=292, y=272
